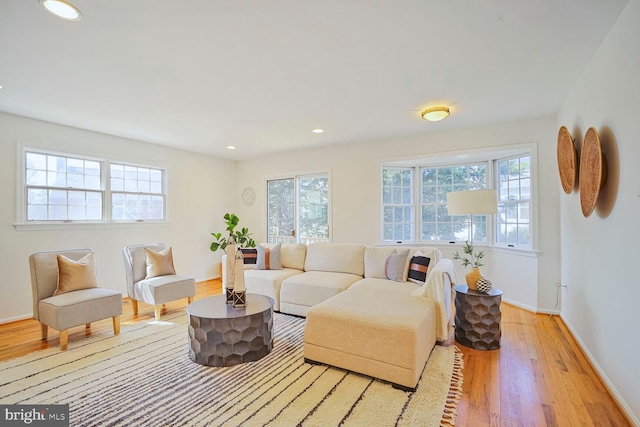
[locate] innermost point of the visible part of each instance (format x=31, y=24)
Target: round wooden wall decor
x=567, y=160
x=593, y=171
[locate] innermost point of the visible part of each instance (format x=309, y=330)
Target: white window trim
x=22, y=224
x=265, y=189
x=488, y=154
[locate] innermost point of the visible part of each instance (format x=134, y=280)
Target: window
x=397, y=204
x=298, y=209
x=436, y=182
x=136, y=193
x=513, y=224
x=68, y=188
x=63, y=188
x=414, y=198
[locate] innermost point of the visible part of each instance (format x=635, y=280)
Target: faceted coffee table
x=220, y=335
x=478, y=317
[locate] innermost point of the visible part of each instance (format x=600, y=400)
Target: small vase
x=473, y=276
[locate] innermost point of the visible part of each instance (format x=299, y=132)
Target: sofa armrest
x=439, y=287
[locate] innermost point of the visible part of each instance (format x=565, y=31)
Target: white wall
x=599, y=253
x=527, y=280
x=198, y=195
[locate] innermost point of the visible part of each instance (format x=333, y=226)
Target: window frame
x=23, y=224
x=488, y=155
x=517, y=202
x=412, y=206
x=163, y=192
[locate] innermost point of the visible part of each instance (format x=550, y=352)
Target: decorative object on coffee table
x=229, y=283
x=477, y=318
x=484, y=285
x=223, y=335
x=567, y=160
x=474, y=259
x=239, y=291
x=593, y=171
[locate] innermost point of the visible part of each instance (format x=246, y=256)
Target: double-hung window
x=137, y=193
x=63, y=188
x=513, y=225
x=69, y=188
x=397, y=204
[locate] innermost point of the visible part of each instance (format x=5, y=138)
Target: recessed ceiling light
x=317, y=130
x=62, y=9
x=231, y=147
x=434, y=114
x=0, y=86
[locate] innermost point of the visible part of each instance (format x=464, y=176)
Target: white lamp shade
x=472, y=202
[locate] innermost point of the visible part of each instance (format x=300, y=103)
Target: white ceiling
x=203, y=74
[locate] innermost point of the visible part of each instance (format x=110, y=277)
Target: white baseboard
x=529, y=308
x=16, y=318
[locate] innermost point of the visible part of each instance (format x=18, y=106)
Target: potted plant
x=242, y=238
x=474, y=259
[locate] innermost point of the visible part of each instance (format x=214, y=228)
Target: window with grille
x=513, y=225
x=398, y=208
x=137, y=193
x=63, y=188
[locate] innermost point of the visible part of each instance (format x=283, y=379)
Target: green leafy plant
x=473, y=259
x=242, y=237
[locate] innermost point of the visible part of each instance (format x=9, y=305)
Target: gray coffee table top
x=215, y=307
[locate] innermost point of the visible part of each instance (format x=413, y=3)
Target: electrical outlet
x=560, y=285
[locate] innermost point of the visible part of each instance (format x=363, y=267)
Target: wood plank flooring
x=539, y=377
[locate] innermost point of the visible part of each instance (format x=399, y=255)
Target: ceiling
x=203, y=74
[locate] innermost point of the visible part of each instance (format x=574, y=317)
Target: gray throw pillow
x=395, y=264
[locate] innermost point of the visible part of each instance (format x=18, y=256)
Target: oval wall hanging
x=567, y=160
x=593, y=171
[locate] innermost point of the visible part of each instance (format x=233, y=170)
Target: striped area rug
x=144, y=377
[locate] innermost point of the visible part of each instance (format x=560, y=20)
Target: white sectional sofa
x=358, y=319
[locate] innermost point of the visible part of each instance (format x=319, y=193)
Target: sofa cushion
x=397, y=331
x=335, y=257
x=312, y=287
x=268, y=282
x=269, y=258
x=292, y=255
x=381, y=286
x=374, y=260
x=249, y=256
x=395, y=265
x=418, y=268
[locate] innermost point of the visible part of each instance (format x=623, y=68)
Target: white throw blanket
x=438, y=287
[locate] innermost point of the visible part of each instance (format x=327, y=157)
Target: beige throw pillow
x=159, y=263
x=76, y=275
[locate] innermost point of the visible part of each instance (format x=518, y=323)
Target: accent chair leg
x=64, y=339
x=44, y=331
x=134, y=305
x=116, y=325
x=189, y=300
x=157, y=310
x=88, y=325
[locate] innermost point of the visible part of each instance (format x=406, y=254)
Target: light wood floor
x=539, y=377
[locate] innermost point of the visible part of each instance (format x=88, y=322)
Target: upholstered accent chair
x=81, y=303
x=148, y=283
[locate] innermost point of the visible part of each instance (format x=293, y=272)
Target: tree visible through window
x=298, y=209
x=436, y=182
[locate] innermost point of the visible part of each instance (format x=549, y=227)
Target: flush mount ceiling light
x=62, y=9
x=317, y=130
x=231, y=147
x=434, y=114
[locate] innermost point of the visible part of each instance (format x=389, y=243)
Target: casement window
x=66, y=188
x=414, y=199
